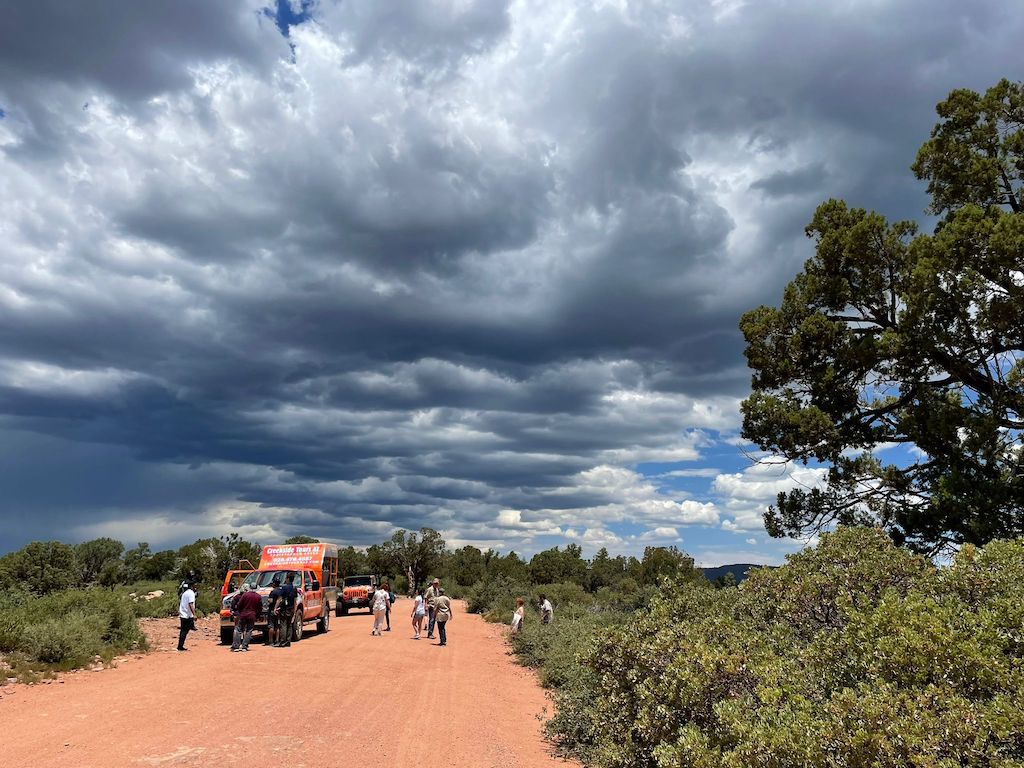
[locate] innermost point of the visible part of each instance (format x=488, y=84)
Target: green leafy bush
x=67, y=629
x=495, y=596
x=855, y=653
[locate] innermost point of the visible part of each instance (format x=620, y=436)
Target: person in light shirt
x=547, y=612
x=380, y=607
x=443, y=614
x=419, y=612
x=186, y=614
x=518, y=615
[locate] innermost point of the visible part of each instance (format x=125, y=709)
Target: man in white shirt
x=547, y=613
x=186, y=614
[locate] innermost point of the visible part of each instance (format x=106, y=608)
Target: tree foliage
x=889, y=336
x=423, y=553
x=41, y=567
x=302, y=539
x=557, y=565
x=95, y=554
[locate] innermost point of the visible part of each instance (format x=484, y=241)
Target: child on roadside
x=419, y=612
x=518, y=615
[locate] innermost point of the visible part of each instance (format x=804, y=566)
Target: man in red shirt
x=250, y=606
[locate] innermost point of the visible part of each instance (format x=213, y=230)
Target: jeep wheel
x=341, y=610
x=227, y=635
x=324, y=624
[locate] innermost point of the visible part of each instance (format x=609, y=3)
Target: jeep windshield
x=261, y=579
x=358, y=581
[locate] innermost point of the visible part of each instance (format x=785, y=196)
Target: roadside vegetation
x=64, y=630
x=855, y=653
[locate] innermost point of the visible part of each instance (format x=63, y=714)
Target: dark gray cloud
x=795, y=182
x=133, y=50
x=472, y=265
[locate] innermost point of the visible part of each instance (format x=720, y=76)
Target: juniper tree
x=891, y=336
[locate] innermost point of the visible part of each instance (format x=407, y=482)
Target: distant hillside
x=739, y=570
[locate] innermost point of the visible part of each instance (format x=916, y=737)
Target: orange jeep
x=357, y=592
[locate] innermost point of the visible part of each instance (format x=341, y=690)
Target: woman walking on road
x=380, y=607
x=443, y=614
x=419, y=612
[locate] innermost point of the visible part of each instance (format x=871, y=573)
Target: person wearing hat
x=430, y=596
x=186, y=614
x=443, y=614
x=273, y=611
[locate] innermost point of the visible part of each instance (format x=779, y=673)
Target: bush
x=71, y=641
x=495, y=596
x=855, y=653
x=68, y=629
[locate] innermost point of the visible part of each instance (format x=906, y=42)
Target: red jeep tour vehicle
x=356, y=592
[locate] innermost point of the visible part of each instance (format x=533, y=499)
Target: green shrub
x=495, y=597
x=69, y=628
x=12, y=629
x=73, y=640
x=563, y=595
x=855, y=653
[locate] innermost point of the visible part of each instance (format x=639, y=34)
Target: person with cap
x=443, y=614
x=186, y=613
x=248, y=608
x=289, y=598
x=430, y=596
x=274, y=611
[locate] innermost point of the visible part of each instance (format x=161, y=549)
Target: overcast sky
x=341, y=267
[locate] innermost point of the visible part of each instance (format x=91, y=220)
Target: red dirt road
x=340, y=699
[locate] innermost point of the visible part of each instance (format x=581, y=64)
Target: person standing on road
x=547, y=612
x=418, y=614
x=387, y=609
x=274, y=611
x=289, y=596
x=250, y=606
x=518, y=615
x=379, y=604
x=186, y=614
x=443, y=614
x=430, y=596
x=237, y=634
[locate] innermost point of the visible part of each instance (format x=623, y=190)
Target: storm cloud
x=337, y=268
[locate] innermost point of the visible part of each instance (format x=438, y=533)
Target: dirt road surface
x=340, y=699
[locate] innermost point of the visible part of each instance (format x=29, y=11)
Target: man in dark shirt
x=274, y=611
x=249, y=607
x=288, y=597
